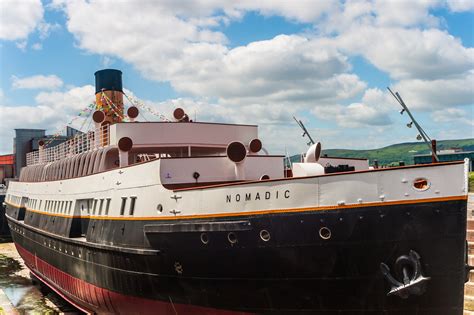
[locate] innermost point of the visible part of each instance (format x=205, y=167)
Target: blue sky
x=328, y=63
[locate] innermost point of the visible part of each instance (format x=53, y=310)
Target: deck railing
x=83, y=142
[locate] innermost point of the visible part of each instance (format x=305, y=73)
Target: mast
x=305, y=131
x=422, y=132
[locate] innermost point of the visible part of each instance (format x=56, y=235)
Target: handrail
x=84, y=142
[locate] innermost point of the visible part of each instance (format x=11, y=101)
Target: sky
x=328, y=63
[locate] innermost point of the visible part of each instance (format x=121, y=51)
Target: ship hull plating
x=300, y=268
x=4, y=230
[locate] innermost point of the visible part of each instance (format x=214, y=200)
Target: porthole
x=265, y=235
x=325, y=233
x=204, y=238
x=159, y=208
x=421, y=184
x=232, y=237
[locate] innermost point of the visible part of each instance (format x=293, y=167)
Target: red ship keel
x=93, y=299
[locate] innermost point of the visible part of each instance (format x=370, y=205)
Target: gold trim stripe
x=260, y=212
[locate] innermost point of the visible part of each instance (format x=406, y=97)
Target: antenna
x=422, y=134
x=305, y=131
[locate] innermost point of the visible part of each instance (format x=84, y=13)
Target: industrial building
x=447, y=156
x=27, y=140
x=6, y=167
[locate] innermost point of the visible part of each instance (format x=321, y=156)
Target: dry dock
x=19, y=294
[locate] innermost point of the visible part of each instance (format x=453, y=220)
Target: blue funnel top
x=108, y=79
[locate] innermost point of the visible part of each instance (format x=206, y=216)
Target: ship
x=188, y=217
x=4, y=231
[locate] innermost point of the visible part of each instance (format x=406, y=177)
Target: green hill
x=398, y=152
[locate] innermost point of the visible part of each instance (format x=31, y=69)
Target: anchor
x=408, y=270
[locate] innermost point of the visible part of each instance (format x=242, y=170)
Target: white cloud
x=373, y=110
x=435, y=94
x=405, y=12
x=19, y=18
x=37, y=46
x=67, y=102
x=290, y=69
x=167, y=43
x=51, y=111
x=45, y=29
x=49, y=82
x=460, y=5
x=304, y=11
x=106, y=61
x=410, y=53
x=353, y=14
x=354, y=115
x=455, y=115
x=21, y=45
x=270, y=80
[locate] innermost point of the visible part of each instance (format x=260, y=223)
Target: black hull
x=296, y=271
x=4, y=230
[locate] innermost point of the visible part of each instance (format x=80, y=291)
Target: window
x=101, y=206
x=70, y=206
x=132, y=205
x=122, y=207
x=95, y=206
x=84, y=205
x=107, y=206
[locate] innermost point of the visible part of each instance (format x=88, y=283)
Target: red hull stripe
x=90, y=298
